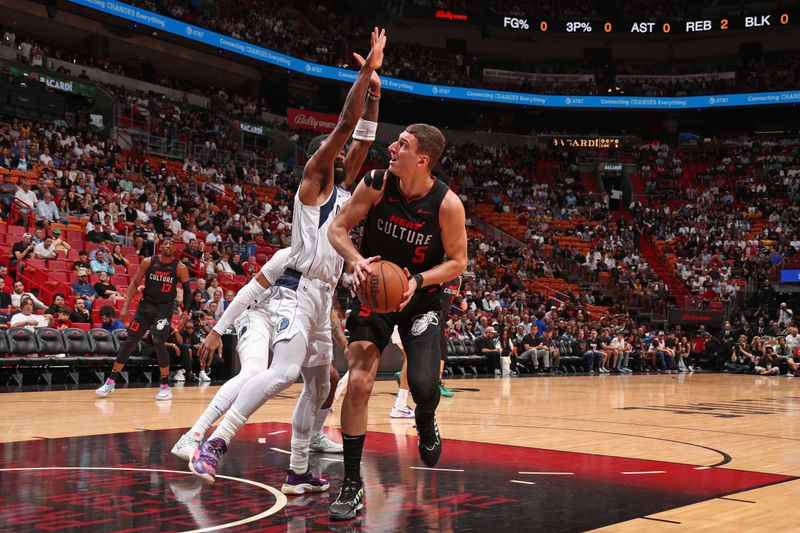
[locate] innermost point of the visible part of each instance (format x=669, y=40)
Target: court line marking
x=659, y=520
x=287, y=452
x=277, y=432
x=435, y=469
x=262, y=440
x=280, y=498
x=734, y=499
x=616, y=422
x=522, y=482
x=547, y=473
x=702, y=468
x=725, y=457
x=645, y=472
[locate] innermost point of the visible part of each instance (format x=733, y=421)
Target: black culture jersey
x=160, y=282
x=404, y=232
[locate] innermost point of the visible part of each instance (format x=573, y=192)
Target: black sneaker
x=349, y=502
x=430, y=443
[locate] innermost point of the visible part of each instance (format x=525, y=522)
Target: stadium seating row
x=71, y=353
x=463, y=357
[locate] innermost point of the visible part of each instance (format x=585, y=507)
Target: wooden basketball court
x=624, y=453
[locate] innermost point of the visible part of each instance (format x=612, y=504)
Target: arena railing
x=194, y=264
x=20, y=210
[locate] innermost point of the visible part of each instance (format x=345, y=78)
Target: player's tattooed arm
x=359, y=148
x=183, y=276
x=133, y=287
x=349, y=216
x=313, y=185
x=337, y=335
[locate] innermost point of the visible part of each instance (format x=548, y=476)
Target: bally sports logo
x=302, y=119
x=449, y=15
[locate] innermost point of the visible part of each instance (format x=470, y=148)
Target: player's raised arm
x=364, y=197
x=317, y=176
x=452, y=221
x=364, y=134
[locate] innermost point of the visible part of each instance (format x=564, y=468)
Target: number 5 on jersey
x=419, y=254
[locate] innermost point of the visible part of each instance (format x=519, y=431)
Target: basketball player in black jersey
x=161, y=275
x=415, y=221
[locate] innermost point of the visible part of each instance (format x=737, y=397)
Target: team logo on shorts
x=283, y=324
x=161, y=324
x=421, y=323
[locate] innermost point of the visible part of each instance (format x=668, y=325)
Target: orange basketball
x=384, y=288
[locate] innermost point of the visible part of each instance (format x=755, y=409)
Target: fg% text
x=574, y=27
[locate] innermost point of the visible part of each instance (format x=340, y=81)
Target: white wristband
x=365, y=130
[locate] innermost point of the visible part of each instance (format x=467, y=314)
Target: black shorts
x=157, y=317
x=420, y=321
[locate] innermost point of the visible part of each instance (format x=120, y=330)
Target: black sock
x=164, y=380
x=353, y=446
x=114, y=376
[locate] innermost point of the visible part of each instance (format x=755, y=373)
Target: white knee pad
x=290, y=375
x=323, y=391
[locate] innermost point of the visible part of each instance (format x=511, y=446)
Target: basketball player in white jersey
x=302, y=297
x=254, y=330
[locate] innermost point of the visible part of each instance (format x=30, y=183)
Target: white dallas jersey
x=311, y=253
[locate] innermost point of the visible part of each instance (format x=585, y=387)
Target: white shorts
x=254, y=328
x=305, y=310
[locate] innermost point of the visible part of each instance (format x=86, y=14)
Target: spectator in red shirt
x=61, y=319
x=6, y=278
x=250, y=268
x=120, y=226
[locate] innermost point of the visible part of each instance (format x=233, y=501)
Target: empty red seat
x=38, y=264
x=15, y=233
x=59, y=265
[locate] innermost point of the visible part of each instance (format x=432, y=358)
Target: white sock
x=218, y=406
x=402, y=399
x=319, y=422
x=306, y=416
x=229, y=426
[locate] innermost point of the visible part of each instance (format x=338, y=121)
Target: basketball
x=383, y=290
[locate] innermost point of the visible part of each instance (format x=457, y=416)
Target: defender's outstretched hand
x=375, y=80
x=375, y=58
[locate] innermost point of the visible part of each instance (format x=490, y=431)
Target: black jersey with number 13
x=161, y=281
x=404, y=232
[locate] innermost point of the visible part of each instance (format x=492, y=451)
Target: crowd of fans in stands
x=730, y=218
x=127, y=202
x=318, y=33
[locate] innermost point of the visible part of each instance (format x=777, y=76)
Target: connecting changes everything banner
x=229, y=44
